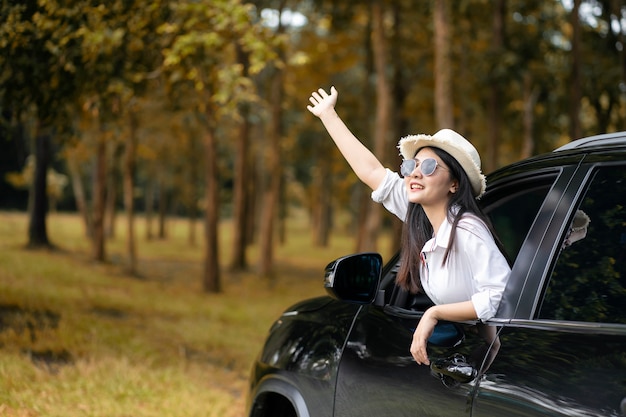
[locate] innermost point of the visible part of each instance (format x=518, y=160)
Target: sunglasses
x=427, y=166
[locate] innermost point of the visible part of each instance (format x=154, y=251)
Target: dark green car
x=561, y=323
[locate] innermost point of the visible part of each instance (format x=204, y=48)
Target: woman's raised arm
x=362, y=161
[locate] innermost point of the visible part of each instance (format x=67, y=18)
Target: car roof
x=607, y=139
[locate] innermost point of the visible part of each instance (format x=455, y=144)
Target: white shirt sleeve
x=392, y=194
x=489, y=269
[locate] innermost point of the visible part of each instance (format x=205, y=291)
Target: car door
x=564, y=351
x=377, y=374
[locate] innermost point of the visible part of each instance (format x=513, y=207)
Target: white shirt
x=475, y=269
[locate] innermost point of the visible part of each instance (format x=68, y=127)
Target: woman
x=449, y=250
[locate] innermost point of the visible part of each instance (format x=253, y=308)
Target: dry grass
x=78, y=338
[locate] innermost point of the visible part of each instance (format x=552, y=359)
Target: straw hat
x=457, y=146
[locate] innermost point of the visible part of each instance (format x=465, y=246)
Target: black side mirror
x=354, y=278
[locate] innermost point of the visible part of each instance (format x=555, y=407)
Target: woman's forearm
x=454, y=312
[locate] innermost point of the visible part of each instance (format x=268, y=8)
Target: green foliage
x=200, y=51
x=37, y=59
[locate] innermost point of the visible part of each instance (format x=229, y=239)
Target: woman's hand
x=322, y=101
x=424, y=330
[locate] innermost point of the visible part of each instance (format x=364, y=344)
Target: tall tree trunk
x=274, y=170
x=240, y=196
x=111, y=196
x=211, y=279
x=444, y=108
x=129, y=187
x=37, y=230
x=99, y=198
x=193, y=196
x=383, y=118
x=272, y=192
x=361, y=194
x=252, y=201
x=530, y=98
x=575, y=93
x=321, y=204
x=162, y=207
x=79, y=192
x=149, y=206
x=495, y=116
x=401, y=121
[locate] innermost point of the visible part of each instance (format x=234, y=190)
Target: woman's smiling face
x=432, y=190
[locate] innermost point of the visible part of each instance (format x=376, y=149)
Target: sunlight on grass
x=79, y=338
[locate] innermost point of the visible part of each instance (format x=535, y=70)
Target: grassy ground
x=79, y=338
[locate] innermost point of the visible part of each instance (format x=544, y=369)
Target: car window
x=512, y=211
x=588, y=282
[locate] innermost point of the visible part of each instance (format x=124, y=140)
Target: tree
x=200, y=59
x=115, y=71
x=39, y=59
x=241, y=197
x=495, y=90
x=273, y=155
x=444, y=106
x=575, y=130
x=383, y=118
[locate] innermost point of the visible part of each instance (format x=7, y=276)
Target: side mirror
x=354, y=278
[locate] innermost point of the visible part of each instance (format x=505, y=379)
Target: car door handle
x=453, y=370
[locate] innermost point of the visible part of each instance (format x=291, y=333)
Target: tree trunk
x=193, y=203
x=530, y=98
x=162, y=207
x=575, y=93
x=37, y=230
x=112, y=188
x=129, y=187
x=149, y=207
x=361, y=195
x=401, y=121
x=444, y=109
x=274, y=170
x=99, y=198
x=240, y=195
x=383, y=117
x=273, y=157
x=497, y=42
x=241, y=180
x=79, y=192
x=321, y=204
x=211, y=279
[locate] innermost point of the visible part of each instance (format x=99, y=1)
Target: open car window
x=513, y=209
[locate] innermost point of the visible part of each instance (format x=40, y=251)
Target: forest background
x=198, y=109
x=185, y=121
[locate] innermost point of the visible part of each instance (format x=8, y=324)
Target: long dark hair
x=417, y=229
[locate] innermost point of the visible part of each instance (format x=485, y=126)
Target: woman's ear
x=454, y=186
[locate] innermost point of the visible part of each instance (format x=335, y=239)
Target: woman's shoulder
x=472, y=223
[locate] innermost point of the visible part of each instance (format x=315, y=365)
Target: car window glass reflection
x=589, y=279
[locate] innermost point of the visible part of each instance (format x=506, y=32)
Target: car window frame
x=523, y=303
x=591, y=165
x=563, y=170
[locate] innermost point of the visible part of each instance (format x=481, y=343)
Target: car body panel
x=302, y=350
x=552, y=369
x=377, y=363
